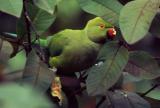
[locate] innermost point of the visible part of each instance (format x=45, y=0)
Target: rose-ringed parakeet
x=75, y=50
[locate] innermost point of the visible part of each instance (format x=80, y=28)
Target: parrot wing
x=57, y=44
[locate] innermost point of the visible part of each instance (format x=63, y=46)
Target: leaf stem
x=101, y=101
x=151, y=89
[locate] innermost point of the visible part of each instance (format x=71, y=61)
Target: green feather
x=75, y=50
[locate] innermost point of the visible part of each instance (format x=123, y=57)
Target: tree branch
x=9, y=39
x=27, y=25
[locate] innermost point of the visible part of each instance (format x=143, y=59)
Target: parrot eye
x=102, y=26
x=111, y=33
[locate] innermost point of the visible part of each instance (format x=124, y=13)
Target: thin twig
x=151, y=89
x=33, y=27
x=27, y=25
x=37, y=36
x=101, y=101
x=10, y=39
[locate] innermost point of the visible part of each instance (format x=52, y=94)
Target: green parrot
x=75, y=50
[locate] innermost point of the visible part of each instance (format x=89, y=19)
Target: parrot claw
x=53, y=69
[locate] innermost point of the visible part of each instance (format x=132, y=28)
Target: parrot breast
x=77, y=54
x=79, y=59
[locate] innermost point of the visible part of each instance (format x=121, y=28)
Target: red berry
x=111, y=33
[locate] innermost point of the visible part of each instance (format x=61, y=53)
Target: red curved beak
x=111, y=33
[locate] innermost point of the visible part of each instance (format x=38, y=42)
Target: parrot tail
x=41, y=42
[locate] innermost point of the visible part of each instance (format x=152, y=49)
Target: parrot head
x=98, y=30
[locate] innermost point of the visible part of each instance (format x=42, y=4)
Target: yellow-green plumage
x=72, y=52
x=75, y=50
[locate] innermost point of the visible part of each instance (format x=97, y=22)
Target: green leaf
x=104, y=75
x=10, y=7
x=19, y=59
x=144, y=86
x=128, y=78
x=142, y=65
x=37, y=73
x=100, y=10
x=41, y=20
x=136, y=17
x=113, y=5
x=124, y=99
x=47, y=5
x=16, y=96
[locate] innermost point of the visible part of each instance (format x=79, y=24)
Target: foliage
x=102, y=9
x=138, y=21
x=32, y=98
x=105, y=83
x=139, y=66
x=105, y=74
x=13, y=8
